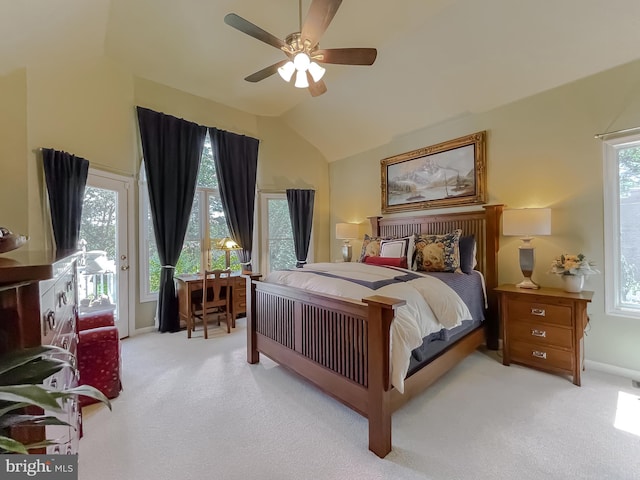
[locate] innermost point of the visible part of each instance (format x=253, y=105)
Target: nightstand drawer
x=541, y=334
x=539, y=312
x=541, y=355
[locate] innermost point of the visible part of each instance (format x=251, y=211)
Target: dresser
x=544, y=328
x=38, y=306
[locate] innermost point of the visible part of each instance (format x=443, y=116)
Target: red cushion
x=99, y=361
x=95, y=319
x=387, y=261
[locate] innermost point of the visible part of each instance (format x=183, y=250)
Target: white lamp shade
x=316, y=71
x=286, y=71
x=301, y=79
x=301, y=62
x=526, y=222
x=346, y=231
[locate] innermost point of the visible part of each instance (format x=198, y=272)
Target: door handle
x=124, y=267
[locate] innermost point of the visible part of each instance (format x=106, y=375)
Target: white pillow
x=399, y=247
x=394, y=248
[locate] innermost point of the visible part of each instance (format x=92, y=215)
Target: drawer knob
x=538, y=333
x=539, y=354
x=51, y=319
x=538, y=312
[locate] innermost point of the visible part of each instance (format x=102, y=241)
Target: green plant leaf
x=11, y=445
x=33, y=372
x=30, y=420
x=33, y=394
x=86, y=390
x=16, y=358
x=12, y=406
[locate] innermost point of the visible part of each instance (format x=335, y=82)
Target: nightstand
x=543, y=328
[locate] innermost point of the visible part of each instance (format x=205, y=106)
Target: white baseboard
x=613, y=370
x=139, y=331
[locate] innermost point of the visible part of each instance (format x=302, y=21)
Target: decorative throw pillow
x=400, y=262
x=394, y=248
x=370, y=247
x=468, y=259
x=438, y=253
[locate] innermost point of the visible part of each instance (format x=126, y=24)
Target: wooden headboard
x=483, y=224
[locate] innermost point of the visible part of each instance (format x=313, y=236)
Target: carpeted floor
x=194, y=409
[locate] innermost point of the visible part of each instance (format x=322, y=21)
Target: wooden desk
x=188, y=283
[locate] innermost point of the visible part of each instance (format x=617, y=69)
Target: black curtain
x=301, y=213
x=66, y=177
x=172, y=148
x=236, y=158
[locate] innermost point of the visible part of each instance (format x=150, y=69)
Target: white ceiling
x=437, y=59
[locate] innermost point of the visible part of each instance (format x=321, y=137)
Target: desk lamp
x=227, y=244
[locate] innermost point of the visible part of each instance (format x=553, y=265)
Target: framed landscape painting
x=448, y=174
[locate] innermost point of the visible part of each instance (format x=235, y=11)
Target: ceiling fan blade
x=347, y=56
x=265, y=72
x=249, y=28
x=316, y=88
x=320, y=14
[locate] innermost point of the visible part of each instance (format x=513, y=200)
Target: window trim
x=143, y=235
x=264, y=230
x=612, y=249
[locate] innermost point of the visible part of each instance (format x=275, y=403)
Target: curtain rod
x=625, y=130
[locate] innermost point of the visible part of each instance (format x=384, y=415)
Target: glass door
x=103, y=271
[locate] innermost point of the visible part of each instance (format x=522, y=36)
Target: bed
x=342, y=345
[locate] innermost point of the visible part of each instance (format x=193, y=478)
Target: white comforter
x=431, y=304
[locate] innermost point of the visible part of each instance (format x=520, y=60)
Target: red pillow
x=387, y=261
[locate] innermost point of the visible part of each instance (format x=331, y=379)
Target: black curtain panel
x=301, y=213
x=236, y=158
x=172, y=148
x=66, y=177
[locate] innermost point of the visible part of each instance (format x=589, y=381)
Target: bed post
x=253, y=356
x=380, y=316
x=375, y=225
x=493, y=213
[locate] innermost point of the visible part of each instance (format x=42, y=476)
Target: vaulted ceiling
x=437, y=59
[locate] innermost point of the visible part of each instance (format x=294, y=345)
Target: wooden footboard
x=340, y=345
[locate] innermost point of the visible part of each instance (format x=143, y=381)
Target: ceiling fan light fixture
x=286, y=71
x=316, y=71
x=301, y=79
x=301, y=62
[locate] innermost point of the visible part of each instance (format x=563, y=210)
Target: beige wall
x=13, y=151
x=88, y=109
x=541, y=152
x=84, y=109
x=287, y=161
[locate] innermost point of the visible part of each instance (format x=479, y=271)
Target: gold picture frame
x=449, y=174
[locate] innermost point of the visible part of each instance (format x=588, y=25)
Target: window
x=207, y=222
x=622, y=229
x=277, y=234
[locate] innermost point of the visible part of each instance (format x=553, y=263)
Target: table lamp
x=346, y=232
x=227, y=244
x=526, y=223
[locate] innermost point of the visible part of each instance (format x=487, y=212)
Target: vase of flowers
x=573, y=269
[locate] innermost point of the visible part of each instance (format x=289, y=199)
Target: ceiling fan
x=302, y=48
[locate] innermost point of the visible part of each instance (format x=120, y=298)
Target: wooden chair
x=215, y=298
